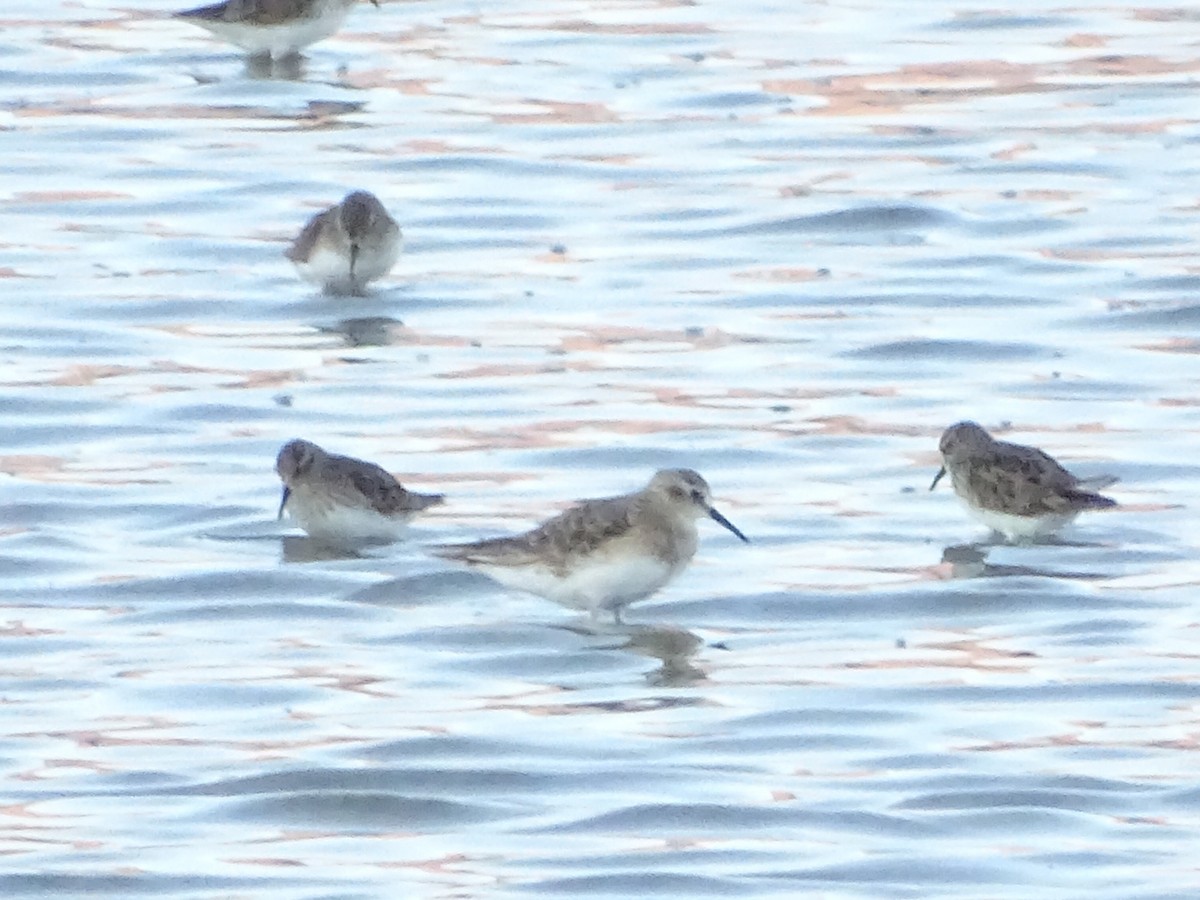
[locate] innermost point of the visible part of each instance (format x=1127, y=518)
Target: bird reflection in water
x=369, y=331
x=297, y=548
x=675, y=648
x=970, y=561
x=264, y=68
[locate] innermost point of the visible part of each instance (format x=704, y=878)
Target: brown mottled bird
x=343, y=500
x=1015, y=490
x=347, y=246
x=603, y=554
x=274, y=28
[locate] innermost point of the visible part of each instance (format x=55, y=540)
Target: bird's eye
x=698, y=498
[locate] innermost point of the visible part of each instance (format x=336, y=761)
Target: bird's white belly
x=329, y=267
x=342, y=524
x=1016, y=527
x=591, y=585
x=283, y=39
x=375, y=262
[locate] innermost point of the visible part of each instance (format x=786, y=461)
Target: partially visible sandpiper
x=342, y=500
x=348, y=245
x=1017, y=491
x=603, y=555
x=276, y=29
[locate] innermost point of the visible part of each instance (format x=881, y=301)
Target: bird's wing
x=302, y=246
x=1026, y=481
x=575, y=533
x=580, y=530
x=383, y=493
x=259, y=12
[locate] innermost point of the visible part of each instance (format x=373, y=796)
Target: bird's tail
x=1089, y=500
x=1097, y=482
x=419, y=502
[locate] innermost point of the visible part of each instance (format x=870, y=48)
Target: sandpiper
x=342, y=500
x=347, y=245
x=602, y=554
x=1017, y=491
x=271, y=28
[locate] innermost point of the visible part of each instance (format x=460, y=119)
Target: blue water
x=785, y=244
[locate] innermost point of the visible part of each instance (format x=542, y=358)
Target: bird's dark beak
x=717, y=517
x=375, y=3
x=938, y=477
x=353, y=258
x=287, y=492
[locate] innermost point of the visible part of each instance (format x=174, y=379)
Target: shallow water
x=784, y=244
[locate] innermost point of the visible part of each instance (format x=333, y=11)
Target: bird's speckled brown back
x=258, y=12
x=1020, y=480
x=351, y=478
x=571, y=535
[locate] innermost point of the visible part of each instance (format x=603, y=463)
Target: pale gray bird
x=603, y=554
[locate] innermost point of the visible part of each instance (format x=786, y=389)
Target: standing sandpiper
x=603, y=554
x=1017, y=491
x=342, y=500
x=347, y=245
x=271, y=28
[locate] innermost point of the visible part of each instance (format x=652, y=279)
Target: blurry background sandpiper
x=343, y=500
x=348, y=245
x=271, y=28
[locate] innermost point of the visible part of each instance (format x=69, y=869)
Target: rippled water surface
x=784, y=243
